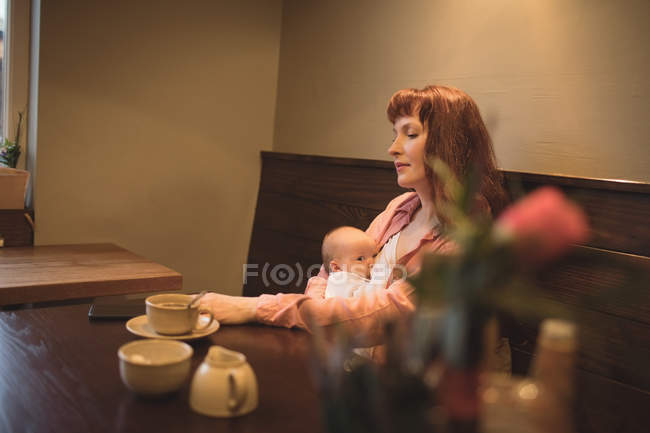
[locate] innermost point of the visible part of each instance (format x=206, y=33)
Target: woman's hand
x=230, y=310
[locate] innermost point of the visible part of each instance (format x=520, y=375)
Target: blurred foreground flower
x=542, y=225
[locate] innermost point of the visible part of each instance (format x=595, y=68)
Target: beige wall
x=152, y=113
x=563, y=85
x=151, y=118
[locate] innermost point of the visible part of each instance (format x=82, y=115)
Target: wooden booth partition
x=300, y=199
x=602, y=284
x=16, y=227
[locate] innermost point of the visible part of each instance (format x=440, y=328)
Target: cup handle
x=237, y=393
x=203, y=328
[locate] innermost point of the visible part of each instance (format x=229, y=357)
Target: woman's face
x=408, y=152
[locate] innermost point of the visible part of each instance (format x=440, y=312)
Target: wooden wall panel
x=274, y=248
x=333, y=180
x=602, y=405
x=610, y=346
x=314, y=219
x=619, y=212
x=603, y=281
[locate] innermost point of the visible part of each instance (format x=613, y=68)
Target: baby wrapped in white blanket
x=354, y=266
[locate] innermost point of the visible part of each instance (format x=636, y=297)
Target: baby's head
x=349, y=249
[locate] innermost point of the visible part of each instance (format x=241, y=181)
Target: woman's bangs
x=403, y=103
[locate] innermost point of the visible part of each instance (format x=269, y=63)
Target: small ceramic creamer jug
x=224, y=385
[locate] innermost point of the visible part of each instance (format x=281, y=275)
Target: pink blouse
x=364, y=315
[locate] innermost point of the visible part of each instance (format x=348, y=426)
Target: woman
x=436, y=121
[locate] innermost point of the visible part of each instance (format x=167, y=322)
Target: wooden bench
x=302, y=197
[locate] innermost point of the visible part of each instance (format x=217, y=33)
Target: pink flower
x=543, y=224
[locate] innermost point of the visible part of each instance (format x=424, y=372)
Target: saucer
x=140, y=326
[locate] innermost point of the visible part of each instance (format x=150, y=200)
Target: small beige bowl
x=154, y=367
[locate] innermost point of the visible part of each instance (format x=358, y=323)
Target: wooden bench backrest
x=302, y=197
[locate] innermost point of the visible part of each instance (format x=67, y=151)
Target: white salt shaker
x=554, y=368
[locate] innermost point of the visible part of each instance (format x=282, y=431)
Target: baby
x=354, y=266
x=349, y=255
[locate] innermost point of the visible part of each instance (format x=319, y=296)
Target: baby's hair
x=327, y=250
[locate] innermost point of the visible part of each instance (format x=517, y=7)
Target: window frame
x=16, y=71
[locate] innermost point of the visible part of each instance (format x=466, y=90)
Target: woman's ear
x=334, y=266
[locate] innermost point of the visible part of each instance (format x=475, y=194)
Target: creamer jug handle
x=237, y=391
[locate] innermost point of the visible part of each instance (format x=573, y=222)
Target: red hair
x=456, y=134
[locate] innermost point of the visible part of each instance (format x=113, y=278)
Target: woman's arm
x=230, y=310
x=362, y=316
x=316, y=287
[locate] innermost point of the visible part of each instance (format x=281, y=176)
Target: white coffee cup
x=168, y=314
x=155, y=367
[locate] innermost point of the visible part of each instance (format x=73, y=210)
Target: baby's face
x=358, y=254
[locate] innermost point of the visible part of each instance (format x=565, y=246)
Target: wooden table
x=63, y=272
x=60, y=374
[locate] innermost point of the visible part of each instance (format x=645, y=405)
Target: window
x=15, y=40
x=3, y=27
